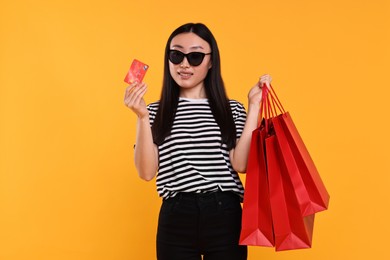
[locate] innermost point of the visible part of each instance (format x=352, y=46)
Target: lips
x=185, y=74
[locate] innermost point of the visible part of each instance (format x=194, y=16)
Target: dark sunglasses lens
x=195, y=58
x=176, y=57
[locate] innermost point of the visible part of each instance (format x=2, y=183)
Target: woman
x=196, y=140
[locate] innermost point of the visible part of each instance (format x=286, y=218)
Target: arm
x=145, y=152
x=239, y=155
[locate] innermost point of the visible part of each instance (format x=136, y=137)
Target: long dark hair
x=214, y=86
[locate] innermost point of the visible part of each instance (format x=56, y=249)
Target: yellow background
x=68, y=186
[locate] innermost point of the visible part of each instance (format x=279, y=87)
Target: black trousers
x=191, y=225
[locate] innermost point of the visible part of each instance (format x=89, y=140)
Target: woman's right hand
x=145, y=151
x=134, y=99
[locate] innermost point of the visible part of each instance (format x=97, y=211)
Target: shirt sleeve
x=239, y=116
x=152, y=108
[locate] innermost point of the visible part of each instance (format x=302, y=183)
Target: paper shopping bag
x=319, y=196
x=291, y=229
x=256, y=215
x=309, y=189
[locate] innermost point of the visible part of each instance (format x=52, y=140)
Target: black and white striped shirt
x=193, y=158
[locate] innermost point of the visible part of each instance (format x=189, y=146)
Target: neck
x=193, y=93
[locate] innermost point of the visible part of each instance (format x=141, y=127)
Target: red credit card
x=136, y=72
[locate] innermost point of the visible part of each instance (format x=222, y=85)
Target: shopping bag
x=319, y=196
x=291, y=229
x=310, y=191
x=256, y=223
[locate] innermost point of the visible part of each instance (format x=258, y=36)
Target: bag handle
x=260, y=116
x=263, y=107
x=270, y=103
x=270, y=106
x=275, y=100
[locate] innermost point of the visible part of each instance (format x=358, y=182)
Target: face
x=190, y=77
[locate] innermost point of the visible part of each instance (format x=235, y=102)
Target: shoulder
x=153, y=106
x=236, y=106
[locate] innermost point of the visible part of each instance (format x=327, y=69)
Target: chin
x=184, y=83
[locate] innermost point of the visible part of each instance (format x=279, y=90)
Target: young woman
x=196, y=140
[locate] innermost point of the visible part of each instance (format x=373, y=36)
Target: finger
x=128, y=94
x=136, y=95
x=262, y=80
x=130, y=88
x=140, y=93
x=262, y=84
x=265, y=76
x=140, y=96
x=266, y=80
x=132, y=85
x=138, y=89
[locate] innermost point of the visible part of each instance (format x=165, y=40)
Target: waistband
x=218, y=194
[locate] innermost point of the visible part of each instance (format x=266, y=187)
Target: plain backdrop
x=68, y=186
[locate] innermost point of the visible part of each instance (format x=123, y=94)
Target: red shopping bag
x=319, y=196
x=256, y=226
x=310, y=191
x=291, y=229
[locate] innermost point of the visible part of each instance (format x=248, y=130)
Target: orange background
x=68, y=186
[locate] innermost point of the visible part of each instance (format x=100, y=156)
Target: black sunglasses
x=193, y=58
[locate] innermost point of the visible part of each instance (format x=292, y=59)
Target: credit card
x=136, y=72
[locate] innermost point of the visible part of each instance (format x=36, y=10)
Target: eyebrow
x=192, y=47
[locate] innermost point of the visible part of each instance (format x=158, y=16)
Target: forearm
x=239, y=155
x=145, y=152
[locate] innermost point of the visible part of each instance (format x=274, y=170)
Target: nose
x=184, y=63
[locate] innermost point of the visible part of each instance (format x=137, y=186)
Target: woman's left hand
x=239, y=155
x=254, y=95
x=265, y=79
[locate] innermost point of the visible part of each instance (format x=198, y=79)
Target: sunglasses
x=193, y=58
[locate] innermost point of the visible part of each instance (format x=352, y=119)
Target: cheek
x=203, y=70
x=172, y=69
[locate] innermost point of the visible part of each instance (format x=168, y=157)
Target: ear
x=210, y=65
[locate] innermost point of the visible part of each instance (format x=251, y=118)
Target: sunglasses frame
x=187, y=56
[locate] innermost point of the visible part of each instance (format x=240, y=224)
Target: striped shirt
x=192, y=158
